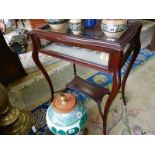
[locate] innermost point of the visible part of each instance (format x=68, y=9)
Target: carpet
x=119, y=117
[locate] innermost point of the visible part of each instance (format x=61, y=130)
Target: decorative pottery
x=75, y=25
x=113, y=27
x=57, y=24
x=66, y=115
x=89, y=23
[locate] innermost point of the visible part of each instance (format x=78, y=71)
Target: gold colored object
x=10, y=117
x=12, y=120
x=21, y=126
x=63, y=99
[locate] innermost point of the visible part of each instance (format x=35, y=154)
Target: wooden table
x=93, y=47
x=36, y=23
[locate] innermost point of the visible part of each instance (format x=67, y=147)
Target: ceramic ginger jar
x=66, y=115
x=113, y=27
x=76, y=26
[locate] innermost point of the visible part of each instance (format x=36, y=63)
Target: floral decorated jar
x=66, y=115
x=57, y=23
x=113, y=27
x=75, y=26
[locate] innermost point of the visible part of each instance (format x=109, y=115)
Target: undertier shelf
x=95, y=92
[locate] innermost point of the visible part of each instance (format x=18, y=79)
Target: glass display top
x=91, y=33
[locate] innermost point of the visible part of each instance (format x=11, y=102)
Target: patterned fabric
x=118, y=115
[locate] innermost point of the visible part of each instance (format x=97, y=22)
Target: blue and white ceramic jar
x=113, y=27
x=66, y=115
x=75, y=26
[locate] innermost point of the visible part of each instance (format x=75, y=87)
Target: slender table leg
x=115, y=89
x=133, y=58
x=136, y=50
x=40, y=66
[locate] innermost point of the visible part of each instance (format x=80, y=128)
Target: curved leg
x=115, y=89
x=133, y=58
x=40, y=66
x=136, y=50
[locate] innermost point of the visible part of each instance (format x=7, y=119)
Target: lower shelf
x=95, y=92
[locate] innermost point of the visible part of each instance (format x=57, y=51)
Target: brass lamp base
x=9, y=117
x=21, y=126
x=13, y=121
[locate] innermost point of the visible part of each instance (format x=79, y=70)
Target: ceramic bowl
x=56, y=21
x=113, y=27
x=57, y=24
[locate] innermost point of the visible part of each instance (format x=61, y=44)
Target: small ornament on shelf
x=76, y=26
x=89, y=23
x=113, y=27
x=57, y=24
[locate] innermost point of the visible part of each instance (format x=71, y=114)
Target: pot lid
x=64, y=103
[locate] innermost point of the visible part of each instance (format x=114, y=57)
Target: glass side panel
x=100, y=58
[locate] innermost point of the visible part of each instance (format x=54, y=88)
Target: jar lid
x=64, y=103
